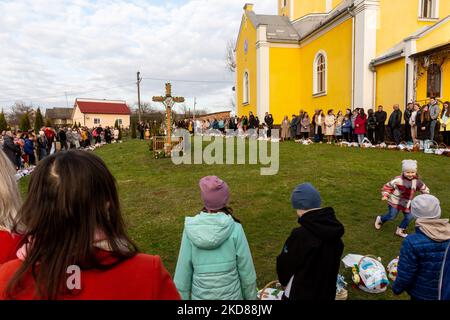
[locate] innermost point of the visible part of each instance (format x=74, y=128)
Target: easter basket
x=271, y=291
x=430, y=147
x=441, y=149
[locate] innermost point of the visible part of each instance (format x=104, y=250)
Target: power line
x=186, y=80
x=77, y=93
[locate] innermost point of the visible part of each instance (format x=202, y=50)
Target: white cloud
x=50, y=47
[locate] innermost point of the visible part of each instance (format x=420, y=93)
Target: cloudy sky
x=93, y=49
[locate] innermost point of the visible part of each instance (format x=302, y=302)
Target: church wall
x=399, y=19
x=439, y=36
x=337, y=44
x=285, y=82
x=390, y=85
x=246, y=61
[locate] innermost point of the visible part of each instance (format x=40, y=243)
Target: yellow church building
x=338, y=54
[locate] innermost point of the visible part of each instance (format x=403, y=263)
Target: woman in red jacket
x=9, y=205
x=360, y=125
x=76, y=246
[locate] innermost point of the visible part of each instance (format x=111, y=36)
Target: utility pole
x=195, y=103
x=139, y=79
x=67, y=100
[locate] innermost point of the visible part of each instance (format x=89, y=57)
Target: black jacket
x=395, y=120
x=11, y=149
x=381, y=117
x=312, y=254
x=424, y=134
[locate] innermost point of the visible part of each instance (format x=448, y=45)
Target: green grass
x=156, y=196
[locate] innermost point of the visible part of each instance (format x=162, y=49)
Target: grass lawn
x=156, y=196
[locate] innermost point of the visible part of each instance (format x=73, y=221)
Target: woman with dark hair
x=360, y=125
x=319, y=121
x=445, y=123
x=423, y=122
x=74, y=222
x=215, y=262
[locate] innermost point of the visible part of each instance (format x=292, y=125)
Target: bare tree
x=18, y=110
x=231, y=56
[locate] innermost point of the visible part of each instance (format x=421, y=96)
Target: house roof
x=59, y=113
x=103, y=107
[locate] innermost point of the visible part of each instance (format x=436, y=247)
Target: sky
x=53, y=51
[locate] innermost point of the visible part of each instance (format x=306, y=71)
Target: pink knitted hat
x=215, y=192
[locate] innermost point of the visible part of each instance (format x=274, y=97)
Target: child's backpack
x=370, y=275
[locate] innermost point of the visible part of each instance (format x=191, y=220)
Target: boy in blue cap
x=308, y=265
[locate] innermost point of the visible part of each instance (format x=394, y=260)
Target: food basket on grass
x=271, y=291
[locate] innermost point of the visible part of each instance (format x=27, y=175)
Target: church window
x=246, y=88
x=428, y=9
x=320, y=74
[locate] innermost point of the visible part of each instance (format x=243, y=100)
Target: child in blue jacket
x=422, y=253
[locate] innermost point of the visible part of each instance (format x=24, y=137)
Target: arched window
x=320, y=73
x=434, y=81
x=246, y=93
x=428, y=9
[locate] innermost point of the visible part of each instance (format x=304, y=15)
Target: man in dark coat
x=381, y=117
x=308, y=266
x=394, y=124
x=62, y=137
x=251, y=121
x=10, y=148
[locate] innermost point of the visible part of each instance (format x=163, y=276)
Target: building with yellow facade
x=338, y=54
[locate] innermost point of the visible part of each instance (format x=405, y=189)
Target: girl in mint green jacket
x=215, y=262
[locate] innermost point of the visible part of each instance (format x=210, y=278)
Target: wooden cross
x=168, y=101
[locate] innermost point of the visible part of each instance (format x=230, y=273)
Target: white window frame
x=246, y=88
x=119, y=122
x=97, y=122
x=316, y=92
x=433, y=10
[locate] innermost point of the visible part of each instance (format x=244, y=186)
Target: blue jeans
x=393, y=213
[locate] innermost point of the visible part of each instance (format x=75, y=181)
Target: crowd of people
x=416, y=125
x=421, y=124
x=60, y=225
x=24, y=149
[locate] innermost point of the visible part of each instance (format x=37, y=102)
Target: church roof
x=279, y=28
x=59, y=113
x=310, y=23
x=103, y=106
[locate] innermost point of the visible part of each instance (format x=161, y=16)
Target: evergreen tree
x=3, y=123
x=120, y=134
x=116, y=124
x=39, y=121
x=25, y=124
x=133, y=129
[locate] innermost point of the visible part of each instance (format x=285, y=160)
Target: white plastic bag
x=373, y=275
